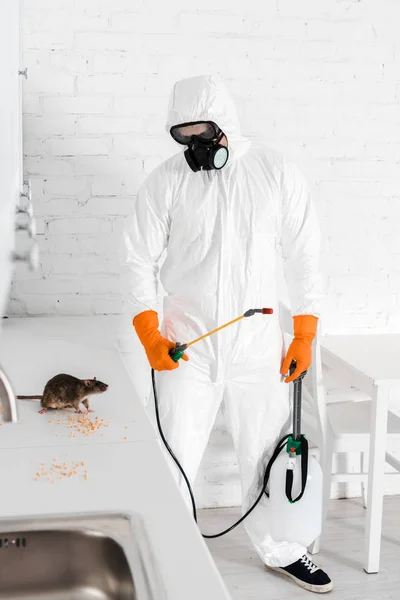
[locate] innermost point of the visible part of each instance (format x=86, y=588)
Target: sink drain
x=19, y=542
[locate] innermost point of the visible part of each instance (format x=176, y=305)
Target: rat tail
x=29, y=397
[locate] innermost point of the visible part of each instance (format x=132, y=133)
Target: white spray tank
x=295, y=485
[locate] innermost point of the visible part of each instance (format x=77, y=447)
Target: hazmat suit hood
x=205, y=98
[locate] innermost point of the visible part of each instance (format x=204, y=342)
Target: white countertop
x=34, y=350
x=375, y=356
x=123, y=476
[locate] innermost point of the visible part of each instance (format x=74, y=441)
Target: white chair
x=335, y=427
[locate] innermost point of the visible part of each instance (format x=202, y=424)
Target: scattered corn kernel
x=81, y=423
x=58, y=471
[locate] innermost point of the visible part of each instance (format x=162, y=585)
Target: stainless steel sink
x=85, y=558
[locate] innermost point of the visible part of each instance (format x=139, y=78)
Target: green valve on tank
x=293, y=446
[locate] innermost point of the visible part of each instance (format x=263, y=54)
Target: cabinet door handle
x=23, y=72
x=29, y=227
x=27, y=195
x=27, y=182
x=31, y=257
x=28, y=210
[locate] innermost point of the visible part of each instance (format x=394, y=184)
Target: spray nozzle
x=263, y=311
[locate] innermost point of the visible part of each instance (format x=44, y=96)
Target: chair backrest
x=314, y=414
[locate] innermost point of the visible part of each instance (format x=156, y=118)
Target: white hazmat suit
x=221, y=230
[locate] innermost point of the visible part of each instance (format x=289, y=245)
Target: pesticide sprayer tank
x=299, y=521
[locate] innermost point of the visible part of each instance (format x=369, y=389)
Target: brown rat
x=66, y=391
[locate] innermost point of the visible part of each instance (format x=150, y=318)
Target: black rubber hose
x=278, y=449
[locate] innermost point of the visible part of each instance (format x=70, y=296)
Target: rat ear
x=86, y=382
x=94, y=378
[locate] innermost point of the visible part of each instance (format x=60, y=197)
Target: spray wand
x=179, y=350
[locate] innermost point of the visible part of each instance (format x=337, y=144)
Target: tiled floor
x=341, y=556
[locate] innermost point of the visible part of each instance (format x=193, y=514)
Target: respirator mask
x=203, y=140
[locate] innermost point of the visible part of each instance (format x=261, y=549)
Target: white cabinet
x=10, y=137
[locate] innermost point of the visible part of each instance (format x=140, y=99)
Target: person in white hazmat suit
x=220, y=209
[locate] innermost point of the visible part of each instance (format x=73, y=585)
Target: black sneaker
x=307, y=575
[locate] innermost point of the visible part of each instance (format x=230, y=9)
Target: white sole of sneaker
x=318, y=589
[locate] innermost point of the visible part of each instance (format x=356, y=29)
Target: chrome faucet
x=7, y=398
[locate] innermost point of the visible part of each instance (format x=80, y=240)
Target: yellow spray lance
x=179, y=350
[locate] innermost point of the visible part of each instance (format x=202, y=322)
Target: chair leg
x=376, y=478
x=314, y=548
x=327, y=478
x=364, y=469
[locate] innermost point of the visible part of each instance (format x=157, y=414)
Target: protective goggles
x=203, y=130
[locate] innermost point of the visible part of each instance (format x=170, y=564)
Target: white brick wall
x=318, y=80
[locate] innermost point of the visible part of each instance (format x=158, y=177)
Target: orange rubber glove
x=300, y=350
x=155, y=345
